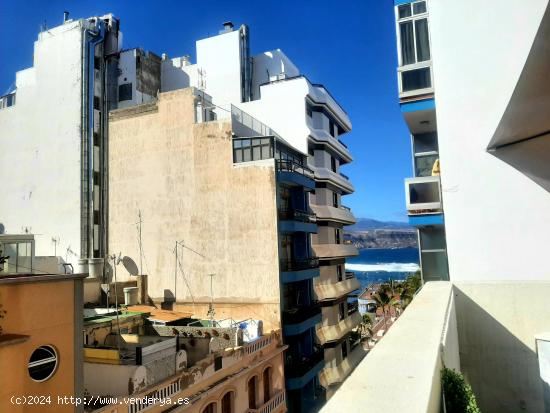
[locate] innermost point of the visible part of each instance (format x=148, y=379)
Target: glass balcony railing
x=423, y=195
x=299, y=366
x=298, y=314
x=290, y=214
x=299, y=264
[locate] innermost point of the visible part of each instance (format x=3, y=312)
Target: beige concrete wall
x=497, y=322
x=181, y=176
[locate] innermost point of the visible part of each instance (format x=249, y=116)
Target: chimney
x=65, y=16
x=227, y=27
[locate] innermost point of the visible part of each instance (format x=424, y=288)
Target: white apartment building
x=489, y=65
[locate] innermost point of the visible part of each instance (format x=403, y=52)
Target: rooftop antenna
x=55, y=241
x=182, y=244
x=116, y=261
x=211, y=312
x=138, y=227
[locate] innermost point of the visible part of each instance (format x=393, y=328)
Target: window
x=425, y=149
x=309, y=110
x=125, y=92
x=247, y=150
x=252, y=393
x=344, y=349
x=267, y=384
x=335, y=199
x=341, y=311
x=218, y=363
x=339, y=272
x=333, y=163
x=227, y=403
x=96, y=103
x=338, y=236
x=211, y=408
x=42, y=363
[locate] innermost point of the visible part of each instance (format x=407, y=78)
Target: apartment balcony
x=332, y=291
x=295, y=220
x=340, y=214
x=294, y=174
x=299, y=269
x=327, y=251
x=337, y=179
x=301, y=318
x=323, y=137
x=327, y=334
x=466, y=326
x=336, y=374
x=301, y=371
x=276, y=404
x=424, y=198
x=415, y=81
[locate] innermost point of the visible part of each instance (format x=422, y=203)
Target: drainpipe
x=97, y=37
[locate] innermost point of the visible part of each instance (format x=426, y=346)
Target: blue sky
x=347, y=45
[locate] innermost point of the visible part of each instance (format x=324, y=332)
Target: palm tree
x=384, y=301
x=366, y=328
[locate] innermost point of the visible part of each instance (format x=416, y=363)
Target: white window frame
x=434, y=207
x=417, y=65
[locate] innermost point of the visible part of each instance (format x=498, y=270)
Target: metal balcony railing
x=343, y=144
x=290, y=214
x=344, y=176
x=291, y=166
x=349, y=275
x=423, y=195
x=299, y=314
x=299, y=366
x=299, y=264
x=352, y=308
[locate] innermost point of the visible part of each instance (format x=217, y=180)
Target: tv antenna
x=211, y=312
x=116, y=261
x=138, y=227
x=55, y=241
x=182, y=244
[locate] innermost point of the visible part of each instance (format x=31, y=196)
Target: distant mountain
x=367, y=224
x=370, y=233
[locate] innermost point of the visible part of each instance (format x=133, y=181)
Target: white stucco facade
x=497, y=219
x=41, y=145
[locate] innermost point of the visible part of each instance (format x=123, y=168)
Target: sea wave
x=384, y=267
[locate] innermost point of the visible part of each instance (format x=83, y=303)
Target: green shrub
x=459, y=397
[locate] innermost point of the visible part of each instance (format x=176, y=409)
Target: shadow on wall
x=501, y=369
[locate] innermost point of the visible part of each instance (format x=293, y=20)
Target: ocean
x=378, y=265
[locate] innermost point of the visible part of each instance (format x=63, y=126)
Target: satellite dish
x=130, y=265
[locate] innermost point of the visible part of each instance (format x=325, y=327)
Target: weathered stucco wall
x=181, y=176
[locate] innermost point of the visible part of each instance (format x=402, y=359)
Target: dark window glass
x=344, y=350
x=416, y=79
x=227, y=403
x=341, y=311
x=335, y=199
x=333, y=164
x=339, y=272
x=252, y=393
x=218, y=363
x=422, y=40
x=211, y=408
x=309, y=110
x=407, y=43
x=425, y=142
x=42, y=363
x=125, y=92
x=423, y=165
x=404, y=11
x=419, y=8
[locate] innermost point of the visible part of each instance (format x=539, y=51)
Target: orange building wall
x=45, y=312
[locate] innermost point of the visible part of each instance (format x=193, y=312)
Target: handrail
x=291, y=166
x=296, y=215
x=277, y=400
x=299, y=264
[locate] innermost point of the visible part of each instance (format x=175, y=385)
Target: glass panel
x=24, y=257
x=425, y=192
x=238, y=155
x=416, y=79
x=425, y=142
x=237, y=143
x=432, y=238
x=10, y=251
x=422, y=40
x=419, y=8
x=247, y=155
x=434, y=266
x=404, y=11
x=407, y=43
x=256, y=153
x=266, y=152
x=423, y=165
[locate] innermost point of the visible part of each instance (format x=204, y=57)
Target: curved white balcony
x=330, y=213
x=326, y=175
x=333, y=291
x=335, y=332
x=333, y=375
x=325, y=251
x=325, y=138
